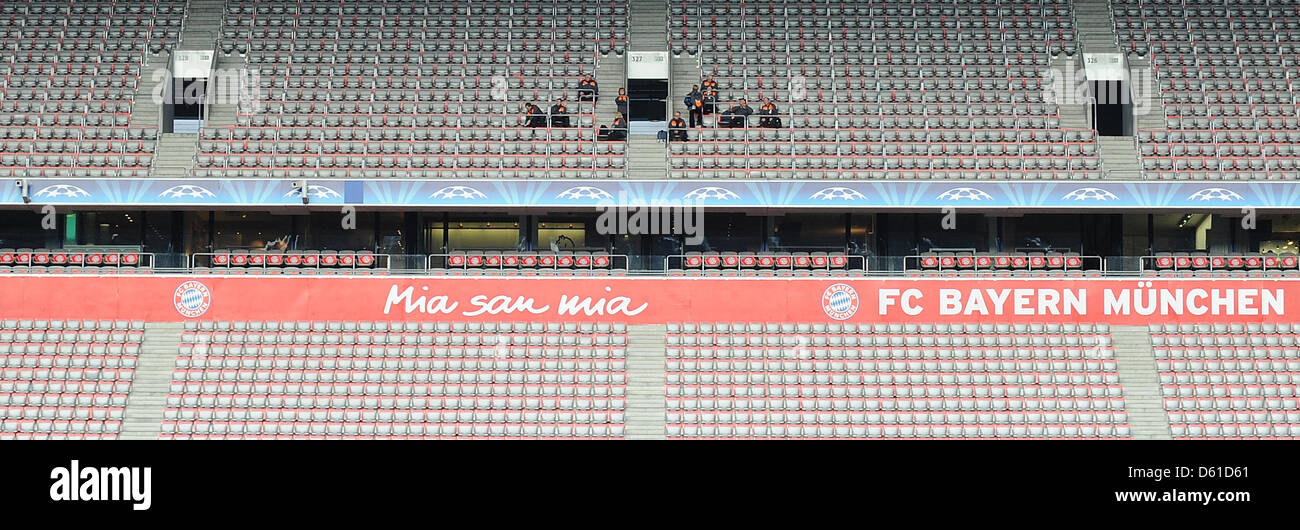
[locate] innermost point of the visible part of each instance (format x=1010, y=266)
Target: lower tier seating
x=398, y=380
x=1229, y=380
x=785, y=380
x=66, y=379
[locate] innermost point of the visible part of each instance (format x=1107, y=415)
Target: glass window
x=1282, y=235
x=391, y=233
x=325, y=231
x=577, y=232
x=731, y=232
x=255, y=230
x=862, y=234
x=1042, y=232
x=22, y=229
x=109, y=228
x=476, y=232
x=1181, y=232
x=807, y=232
x=158, y=232
x=968, y=231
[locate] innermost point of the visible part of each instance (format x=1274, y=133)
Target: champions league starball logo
x=840, y=301
x=192, y=299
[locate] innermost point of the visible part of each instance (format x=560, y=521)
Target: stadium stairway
x=147, y=109
x=1137, y=372
x=144, y=406
x=223, y=107
x=646, y=408
x=685, y=72
x=647, y=157
x=1146, y=96
x=1074, y=113
x=1119, y=155
x=175, y=156
x=202, y=24
x=647, y=26
x=1095, y=26
x=610, y=76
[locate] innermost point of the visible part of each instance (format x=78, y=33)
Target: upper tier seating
x=398, y=380
x=1224, y=73
x=421, y=89
x=1229, y=380
x=877, y=89
x=786, y=380
x=69, y=74
x=66, y=379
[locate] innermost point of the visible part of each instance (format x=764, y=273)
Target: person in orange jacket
x=560, y=114
x=677, y=128
x=587, y=89
x=710, y=89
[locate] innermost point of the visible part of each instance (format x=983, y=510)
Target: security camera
x=22, y=186
x=301, y=187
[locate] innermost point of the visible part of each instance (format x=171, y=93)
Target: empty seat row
x=25, y=257
x=521, y=260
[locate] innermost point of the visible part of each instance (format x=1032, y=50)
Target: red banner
x=647, y=300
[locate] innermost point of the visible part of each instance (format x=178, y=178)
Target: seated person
x=534, y=117
x=735, y=116
x=768, y=116
x=616, y=132
x=560, y=114
x=677, y=128
x=710, y=94
x=587, y=89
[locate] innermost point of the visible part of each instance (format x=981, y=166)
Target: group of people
x=559, y=115
x=702, y=101
x=588, y=90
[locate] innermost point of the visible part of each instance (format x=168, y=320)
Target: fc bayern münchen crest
x=192, y=299
x=840, y=301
